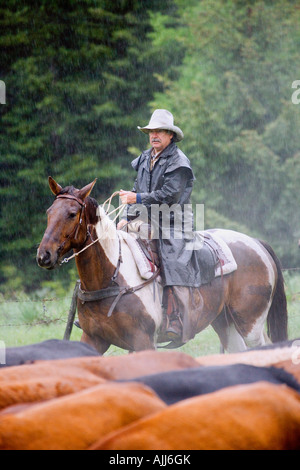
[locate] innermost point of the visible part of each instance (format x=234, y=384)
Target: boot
x=174, y=322
x=174, y=330
x=189, y=304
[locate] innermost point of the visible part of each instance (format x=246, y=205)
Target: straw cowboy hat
x=163, y=119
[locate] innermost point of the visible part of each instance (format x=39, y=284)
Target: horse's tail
x=277, y=320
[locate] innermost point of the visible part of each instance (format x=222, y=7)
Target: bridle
x=74, y=233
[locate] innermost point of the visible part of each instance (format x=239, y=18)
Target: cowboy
x=165, y=177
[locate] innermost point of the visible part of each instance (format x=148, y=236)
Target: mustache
x=155, y=140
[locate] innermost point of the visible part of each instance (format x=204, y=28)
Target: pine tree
x=79, y=76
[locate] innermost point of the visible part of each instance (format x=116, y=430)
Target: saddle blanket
x=145, y=267
x=224, y=262
x=227, y=263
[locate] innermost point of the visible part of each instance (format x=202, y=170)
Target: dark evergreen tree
x=78, y=77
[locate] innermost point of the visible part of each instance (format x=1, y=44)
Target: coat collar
x=169, y=151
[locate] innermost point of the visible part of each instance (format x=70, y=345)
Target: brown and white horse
x=237, y=305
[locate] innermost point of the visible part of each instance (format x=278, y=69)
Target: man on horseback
x=165, y=177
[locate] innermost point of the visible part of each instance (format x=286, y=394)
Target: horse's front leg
x=98, y=343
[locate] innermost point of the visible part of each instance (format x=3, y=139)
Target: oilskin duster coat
x=170, y=182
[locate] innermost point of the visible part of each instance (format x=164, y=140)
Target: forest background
x=80, y=77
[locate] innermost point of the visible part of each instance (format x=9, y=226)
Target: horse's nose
x=44, y=259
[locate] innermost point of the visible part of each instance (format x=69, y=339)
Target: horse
x=130, y=314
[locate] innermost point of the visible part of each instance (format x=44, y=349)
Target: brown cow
x=243, y=417
x=74, y=422
x=140, y=363
x=44, y=380
x=45, y=388
x=108, y=367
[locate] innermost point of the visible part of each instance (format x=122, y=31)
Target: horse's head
x=67, y=226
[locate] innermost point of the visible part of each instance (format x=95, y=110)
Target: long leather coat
x=170, y=182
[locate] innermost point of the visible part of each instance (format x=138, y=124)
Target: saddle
x=212, y=254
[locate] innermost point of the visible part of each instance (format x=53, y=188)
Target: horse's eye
x=72, y=215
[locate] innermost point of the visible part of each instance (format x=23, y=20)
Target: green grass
x=26, y=320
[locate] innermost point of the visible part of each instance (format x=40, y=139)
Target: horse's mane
x=91, y=210
x=68, y=190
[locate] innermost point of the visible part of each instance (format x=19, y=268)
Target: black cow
x=174, y=386
x=46, y=350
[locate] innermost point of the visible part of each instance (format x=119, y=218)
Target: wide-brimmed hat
x=163, y=120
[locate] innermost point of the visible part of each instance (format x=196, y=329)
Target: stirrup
x=174, y=332
x=173, y=335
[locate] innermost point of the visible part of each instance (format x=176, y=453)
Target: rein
x=82, y=204
x=115, y=291
x=76, y=229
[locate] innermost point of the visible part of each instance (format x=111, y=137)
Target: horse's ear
x=86, y=191
x=54, y=186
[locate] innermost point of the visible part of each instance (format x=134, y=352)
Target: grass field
x=25, y=320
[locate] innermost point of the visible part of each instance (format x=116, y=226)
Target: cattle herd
x=61, y=395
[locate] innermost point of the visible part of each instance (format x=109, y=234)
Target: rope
x=119, y=209
x=108, y=200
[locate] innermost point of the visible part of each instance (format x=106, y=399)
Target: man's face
x=160, y=139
